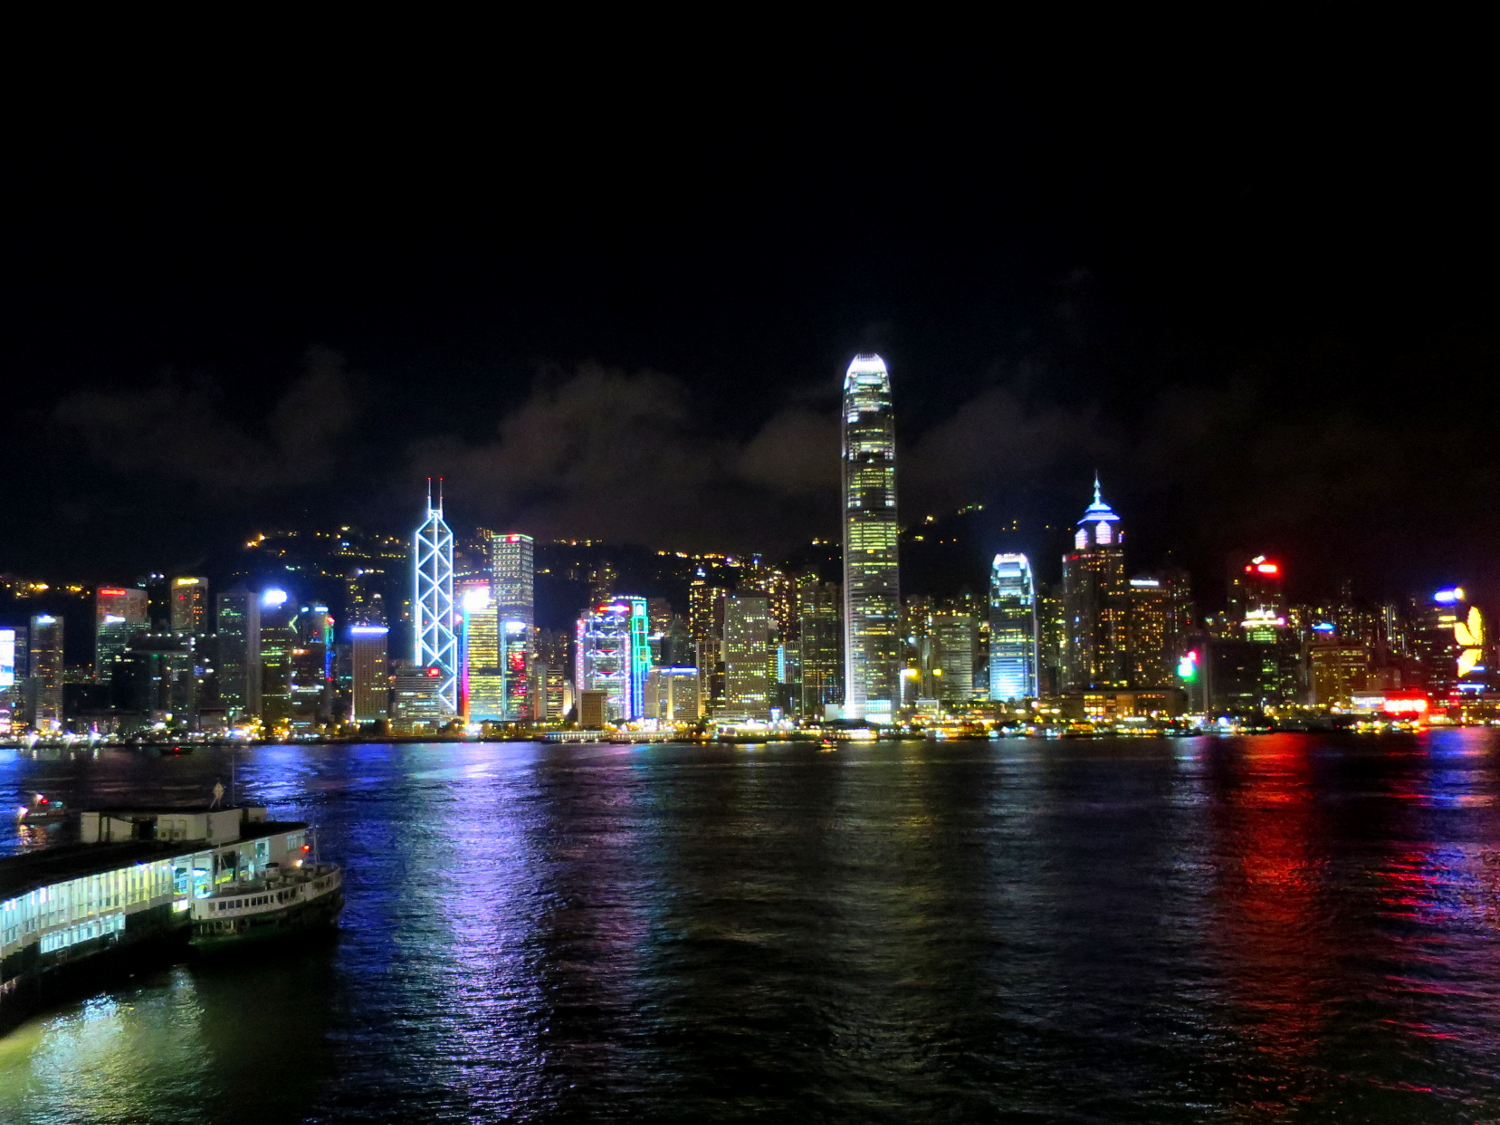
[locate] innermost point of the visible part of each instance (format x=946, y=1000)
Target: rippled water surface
x=1285, y=927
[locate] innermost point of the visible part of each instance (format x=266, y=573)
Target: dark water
x=1284, y=927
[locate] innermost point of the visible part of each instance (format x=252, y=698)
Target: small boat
x=171, y=748
x=41, y=810
x=282, y=902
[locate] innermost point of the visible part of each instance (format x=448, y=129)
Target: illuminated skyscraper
x=1336, y=670
x=1096, y=602
x=747, y=666
x=371, y=689
x=1256, y=592
x=1014, y=654
x=872, y=588
x=513, y=577
x=672, y=695
x=513, y=583
x=1160, y=617
x=954, y=639
x=312, y=667
x=819, y=638
x=781, y=597
x=237, y=642
x=705, y=615
x=437, y=645
x=1257, y=617
x=481, y=684
x=189, y=607
x=613, y=655
x=278, y=637
x=46, y=679
x=119, y=611
x=1448, y=640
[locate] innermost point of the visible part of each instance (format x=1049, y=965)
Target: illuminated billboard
x=1469, y=633
x=7, y=658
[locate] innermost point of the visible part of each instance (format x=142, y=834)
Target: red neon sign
x=1268, y=568
x=1410, y=706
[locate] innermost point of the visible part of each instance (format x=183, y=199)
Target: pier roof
x=29, y=870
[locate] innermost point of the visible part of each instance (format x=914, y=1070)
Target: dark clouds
x=598, y=452
x=190, y=430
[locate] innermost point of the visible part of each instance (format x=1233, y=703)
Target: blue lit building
x=1013, y=629
x=437, y=644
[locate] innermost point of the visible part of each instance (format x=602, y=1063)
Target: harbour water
x=1280, y=927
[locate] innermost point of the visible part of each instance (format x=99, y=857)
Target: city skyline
x=1222, y=338
x=740, y=640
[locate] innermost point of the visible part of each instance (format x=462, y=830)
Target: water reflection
x=1279, y=927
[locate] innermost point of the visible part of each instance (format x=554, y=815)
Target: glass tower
x=119, y=612
x=1013, y=631
x=872, y=592
x=238, y=652
x=437, y=647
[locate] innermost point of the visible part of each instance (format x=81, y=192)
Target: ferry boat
x=282, y=902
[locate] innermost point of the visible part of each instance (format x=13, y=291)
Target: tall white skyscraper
x=437, y=644
x=1013, y=632
x=872, y=589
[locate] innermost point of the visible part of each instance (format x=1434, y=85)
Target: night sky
x=1262, y=308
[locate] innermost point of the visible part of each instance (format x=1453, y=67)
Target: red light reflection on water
x=1273, y=930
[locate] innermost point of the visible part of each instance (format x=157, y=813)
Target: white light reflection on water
x=124, y=1057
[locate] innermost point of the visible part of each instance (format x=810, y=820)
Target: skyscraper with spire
x=1096, y=602
x=437, y=644
x=872, y=589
